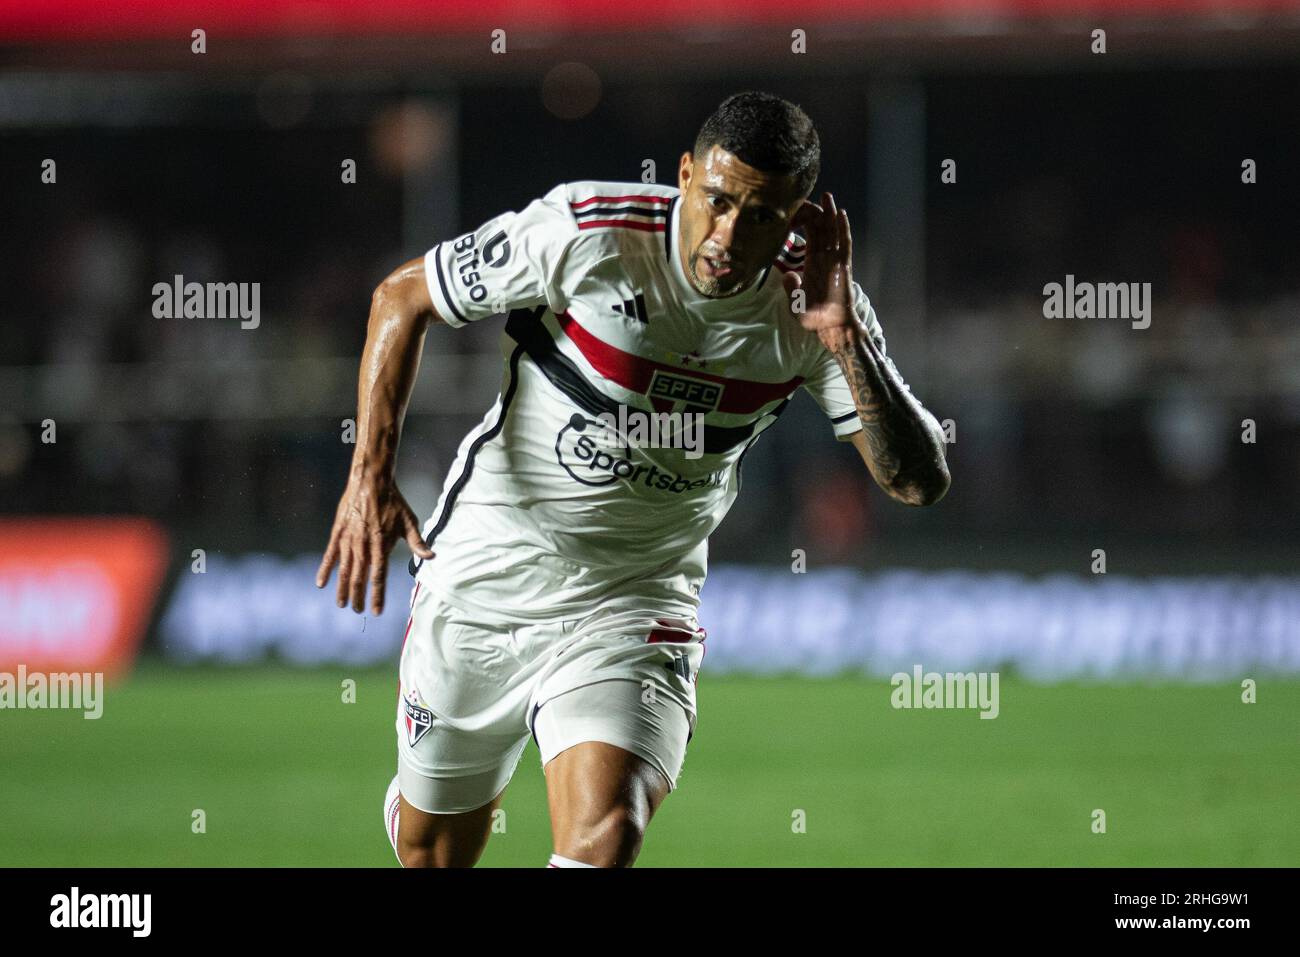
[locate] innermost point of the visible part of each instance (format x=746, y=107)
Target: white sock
x=558, y=861
x=392, y=810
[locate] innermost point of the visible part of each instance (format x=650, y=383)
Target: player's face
x=734, y=220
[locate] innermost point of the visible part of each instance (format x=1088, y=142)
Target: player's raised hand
x=371, y=517
x=827, y=280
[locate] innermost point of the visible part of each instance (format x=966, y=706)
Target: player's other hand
x=371, y=517
x=827, y=280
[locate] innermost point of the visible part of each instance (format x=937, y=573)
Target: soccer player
x=557, y=582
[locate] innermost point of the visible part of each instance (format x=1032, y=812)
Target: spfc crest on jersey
x=683, y=392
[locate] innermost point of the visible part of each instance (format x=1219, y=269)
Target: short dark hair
x=766, y=132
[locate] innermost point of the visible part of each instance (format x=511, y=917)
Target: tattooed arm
x=901, y=442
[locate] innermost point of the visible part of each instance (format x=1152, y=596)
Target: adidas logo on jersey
x=633, y=308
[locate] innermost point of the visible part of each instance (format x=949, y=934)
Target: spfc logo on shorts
x=418, y=722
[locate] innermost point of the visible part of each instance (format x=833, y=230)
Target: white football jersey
x=548, y=513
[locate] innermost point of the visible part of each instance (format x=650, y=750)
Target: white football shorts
x=471, y=692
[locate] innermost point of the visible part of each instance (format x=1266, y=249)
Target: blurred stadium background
x=135, y=451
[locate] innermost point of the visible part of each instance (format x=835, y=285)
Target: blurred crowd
x=1062, y=426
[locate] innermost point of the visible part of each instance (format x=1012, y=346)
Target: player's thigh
x=612, y=752
x=461, y=730
x=602, y=798
x=450, y=784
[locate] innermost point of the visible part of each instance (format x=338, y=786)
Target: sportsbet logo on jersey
x=602, y=450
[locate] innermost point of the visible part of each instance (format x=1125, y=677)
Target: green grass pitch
x=288, y=774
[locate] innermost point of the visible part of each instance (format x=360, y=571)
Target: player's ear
x=684, y=167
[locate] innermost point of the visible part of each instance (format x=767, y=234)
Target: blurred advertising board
x=76, y=593
x=769, y=620
x=123, y=20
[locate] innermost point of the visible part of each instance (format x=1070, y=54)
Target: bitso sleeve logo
x=496, y=251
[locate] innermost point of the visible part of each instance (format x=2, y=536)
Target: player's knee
x=415, y=855
x=438, y=854
x=612, y=840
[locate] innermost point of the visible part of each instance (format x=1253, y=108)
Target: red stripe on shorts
x=409, y=621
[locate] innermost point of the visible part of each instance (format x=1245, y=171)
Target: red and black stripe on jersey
x=634, y=373
x=792, y=254
x=632, y=211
